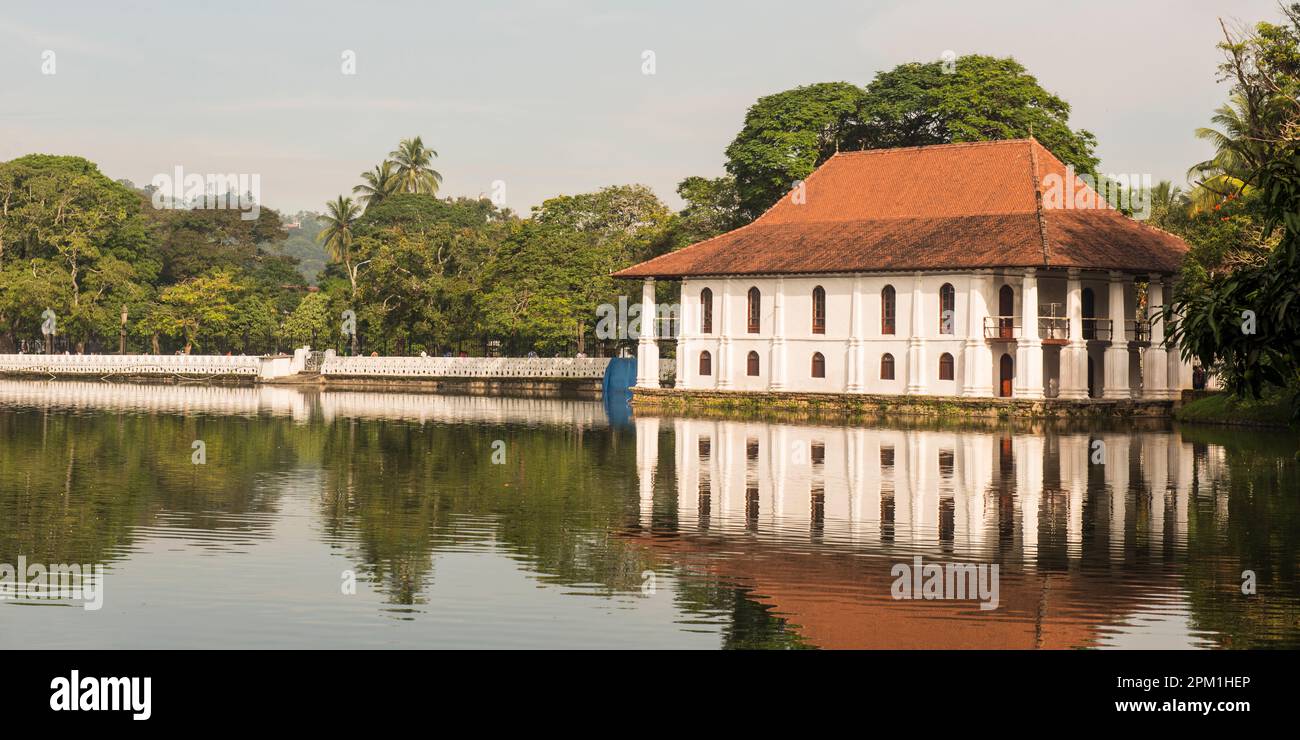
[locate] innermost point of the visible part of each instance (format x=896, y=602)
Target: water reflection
x=758, y=534
x=1104, y=538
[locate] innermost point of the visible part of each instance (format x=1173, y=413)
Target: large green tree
x=976, y=98
x=71, y=241
x=787, y=135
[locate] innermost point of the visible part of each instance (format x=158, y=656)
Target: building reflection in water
x=1089, y=528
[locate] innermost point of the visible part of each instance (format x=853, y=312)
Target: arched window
x=887, y=310
x=947, y=309
x=706, y=311
x=887, y=367
x=755, y=306
x=819, y=310
x=751, y=364
x=945, y=366
x=818, y=365
x=706, y=363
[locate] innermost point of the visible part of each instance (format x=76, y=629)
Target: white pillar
x=855, y=379
x=977, y=358
x=1117, y=386
x=685, y=328
x=1074, y=356
x=1155, y=362
x=916, y=370
x=776, y=378
x=723, y=370
x=647, y=351
x=1029, y=348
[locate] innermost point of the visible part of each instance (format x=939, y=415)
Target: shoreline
x=788, y=404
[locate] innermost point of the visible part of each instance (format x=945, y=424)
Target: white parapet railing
x=160, y=365
x=586, y=368
x=281, y=366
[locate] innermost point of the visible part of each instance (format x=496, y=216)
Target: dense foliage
x=973, y=98
x=1237, y=308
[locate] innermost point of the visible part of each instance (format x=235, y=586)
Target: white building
x=972, y=270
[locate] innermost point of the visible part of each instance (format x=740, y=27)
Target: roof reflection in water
x=813, y=518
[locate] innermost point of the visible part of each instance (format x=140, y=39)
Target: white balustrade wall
x=488, y=368
x=105, y=365
x=551, y=368
x=466, y=367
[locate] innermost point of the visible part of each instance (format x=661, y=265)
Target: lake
x=275, y=517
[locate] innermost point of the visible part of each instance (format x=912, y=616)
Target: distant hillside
x=301, y=243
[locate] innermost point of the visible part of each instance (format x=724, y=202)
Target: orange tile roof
x=951, y=206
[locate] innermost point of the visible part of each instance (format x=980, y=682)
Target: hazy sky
x=549, y=96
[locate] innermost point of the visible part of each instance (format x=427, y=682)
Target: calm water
x=488, y=522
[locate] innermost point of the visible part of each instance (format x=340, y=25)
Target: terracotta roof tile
x=952, y=206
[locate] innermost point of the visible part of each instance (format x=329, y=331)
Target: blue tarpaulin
x=620, y=375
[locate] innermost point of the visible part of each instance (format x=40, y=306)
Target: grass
x=1273, y=410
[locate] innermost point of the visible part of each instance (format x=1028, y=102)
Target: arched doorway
x=1006, y=309
x=1089, y=313
x=1006, y=376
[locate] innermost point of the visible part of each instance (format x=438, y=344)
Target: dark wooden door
x=1006, y=376
x=1006, y=307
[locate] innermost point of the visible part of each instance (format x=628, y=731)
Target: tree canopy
x=978, y=98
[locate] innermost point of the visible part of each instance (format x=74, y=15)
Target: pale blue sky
x=548, y=96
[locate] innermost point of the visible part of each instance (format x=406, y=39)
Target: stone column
x=647, y=351
x=776, y=378
x=916, y=370
x=1155, y=361
x=977, y=359
x=1029, y=348
x=684, y=329
x=855, y=379
x=1074, y=356
x=1117, y=386
x=723, y=370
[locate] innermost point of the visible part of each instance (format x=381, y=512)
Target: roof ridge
x=946, y=145
x=1038, y=201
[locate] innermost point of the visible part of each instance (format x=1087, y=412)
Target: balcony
x=1054, y=329
x=1002, y=328
x=1137, y=330
x=1096, y=330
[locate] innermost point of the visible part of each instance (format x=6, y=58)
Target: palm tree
x=341, y=216
x=1168, y=203
x=1238, y=154
x=377, y=184
x=415, y=173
